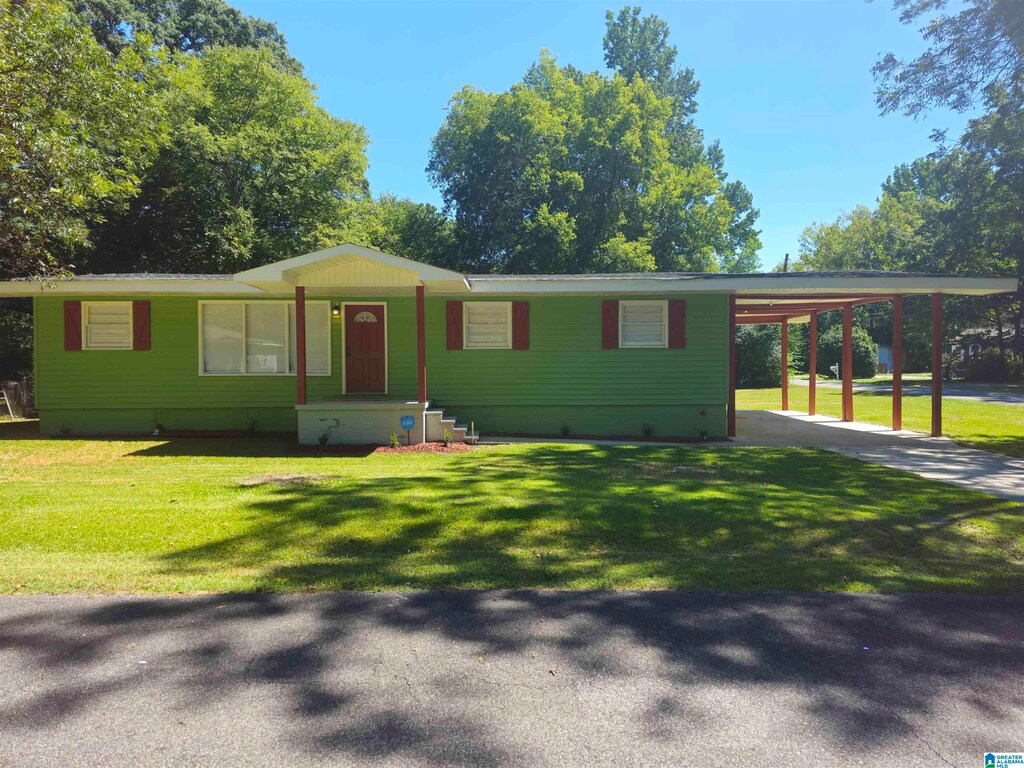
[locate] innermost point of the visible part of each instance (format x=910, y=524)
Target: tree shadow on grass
x=621, y=516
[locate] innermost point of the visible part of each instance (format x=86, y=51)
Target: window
x=488, y=324
x=106, y=325
x=258, y=337
x=643, y=323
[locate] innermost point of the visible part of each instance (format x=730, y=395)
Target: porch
x=359, y=422
x=364, y=411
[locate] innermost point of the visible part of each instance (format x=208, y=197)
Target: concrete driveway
x=511, y=679
x=937, y=458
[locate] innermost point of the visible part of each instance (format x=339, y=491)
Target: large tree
x=416, y=231
x=570, y=171
x=78, y=126
x=638, y=46
x=255, y=171
x=186, y=26
x=968, y=52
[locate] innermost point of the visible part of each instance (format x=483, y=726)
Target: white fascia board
x=27, y=288
x=795, y=286
x=276, y=271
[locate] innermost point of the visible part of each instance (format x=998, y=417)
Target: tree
x=758, y=356
x=416, y=231
x=830, y=352
x=579, y=172
x=968, y=53
x=255, y=171
x=637, y=46
x=77, y=128
x=187, y=26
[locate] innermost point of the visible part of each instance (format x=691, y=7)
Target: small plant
x=324, y=438
x=252, y=427
x=647, y=428
x=704, y=434
x=564, y=429
x=448, y=438
x=157, y=428
x=395, y=442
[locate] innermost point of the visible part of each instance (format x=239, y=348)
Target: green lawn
x=989, y=426
x=201, y=514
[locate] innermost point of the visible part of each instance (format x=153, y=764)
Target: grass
x=989, y=426
x=193, y=515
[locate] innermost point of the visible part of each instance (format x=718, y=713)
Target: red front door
x=364, y=348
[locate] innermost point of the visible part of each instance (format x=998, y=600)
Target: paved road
x=950, y=390
x=510, y=678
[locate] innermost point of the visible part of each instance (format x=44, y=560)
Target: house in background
x=348, y=344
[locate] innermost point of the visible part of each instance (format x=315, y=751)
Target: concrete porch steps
x=436, y=423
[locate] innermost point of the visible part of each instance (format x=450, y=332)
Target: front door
x=365, y=348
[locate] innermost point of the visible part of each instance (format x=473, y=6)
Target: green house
x=341, y=344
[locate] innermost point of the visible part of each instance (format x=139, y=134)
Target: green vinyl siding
x=565, y=377
x=567, y=380
x=163, y=384
x=566, y=365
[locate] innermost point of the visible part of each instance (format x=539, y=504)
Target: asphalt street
x=511, y=678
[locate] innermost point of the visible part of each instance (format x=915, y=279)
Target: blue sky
x=786, y=86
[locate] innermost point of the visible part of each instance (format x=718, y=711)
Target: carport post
x=897, y=363
x=730, y=418
x=812, y=361
x=785, y=363
x=936, y=364
x=847, y=363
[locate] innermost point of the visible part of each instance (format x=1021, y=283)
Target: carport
x=800, y=297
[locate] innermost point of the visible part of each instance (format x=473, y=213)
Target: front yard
x=221, y=514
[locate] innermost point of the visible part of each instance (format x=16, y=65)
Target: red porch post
x=731, y=407
x=785, y=364
x=300, y=345
x=421, y=345
x=897, y=363
x=936, y=364
x=847, y=363
x=812, y=362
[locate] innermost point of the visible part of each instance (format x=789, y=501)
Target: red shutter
x=520, y=325
x=140, y=325
x=453, y=317
x=610, y=324
x=73, y=326
x=677, y=324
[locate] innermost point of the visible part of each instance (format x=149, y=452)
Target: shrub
x=564, y=429
x=758, y=357
x=449, y=438
x=990, y=366
x=830, y=352
x=647, y=428
x=394, y=440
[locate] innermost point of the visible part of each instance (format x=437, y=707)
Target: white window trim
x=85, y=328
x=465, y=325
x=344, y=372
x=287, y=338
x=663, y=304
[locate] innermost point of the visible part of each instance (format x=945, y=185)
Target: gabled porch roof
x=355, y=268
